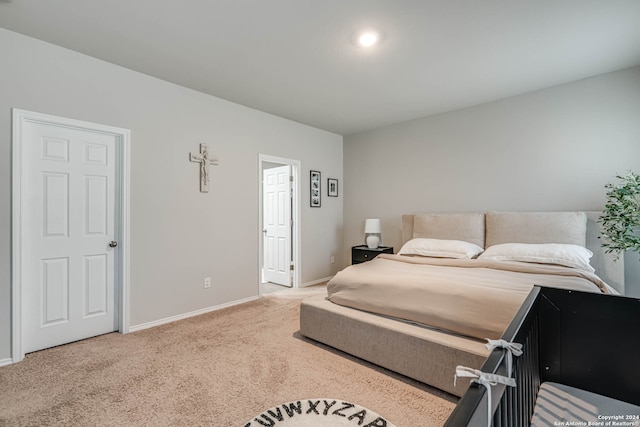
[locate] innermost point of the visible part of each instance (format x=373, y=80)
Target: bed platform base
x=578, y=342
x=420, y=353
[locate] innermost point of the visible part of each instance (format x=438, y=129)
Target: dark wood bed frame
x=583, y=340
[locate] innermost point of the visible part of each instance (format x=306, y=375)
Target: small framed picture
x=315, y=189
x=332, y=185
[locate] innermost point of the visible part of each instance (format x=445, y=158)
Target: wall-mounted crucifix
x=204, y=160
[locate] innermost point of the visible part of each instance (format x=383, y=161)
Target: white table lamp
x=373, y=233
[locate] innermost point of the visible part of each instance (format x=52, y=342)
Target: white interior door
x=277, y=225
x=68, y=224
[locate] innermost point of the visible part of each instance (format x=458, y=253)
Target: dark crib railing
x=511, y=406
x=584, y=340
x=515, y=407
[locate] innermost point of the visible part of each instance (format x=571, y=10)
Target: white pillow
x=547, y=253
x=440, y=248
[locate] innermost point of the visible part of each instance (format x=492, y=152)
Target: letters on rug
x=316, y=413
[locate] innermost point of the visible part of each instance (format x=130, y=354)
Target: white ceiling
x=297, y=59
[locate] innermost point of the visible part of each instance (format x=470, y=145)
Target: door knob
x=113, y=244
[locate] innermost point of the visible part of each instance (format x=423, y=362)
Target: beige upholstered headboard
x=491, y=228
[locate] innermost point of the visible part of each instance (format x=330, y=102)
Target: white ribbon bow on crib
x=513, y=349
x=487, y=380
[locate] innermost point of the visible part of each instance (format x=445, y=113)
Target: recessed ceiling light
x=368, y=38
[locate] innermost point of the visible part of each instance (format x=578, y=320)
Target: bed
x=383, y=312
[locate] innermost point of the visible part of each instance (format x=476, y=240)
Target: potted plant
x=620, y=219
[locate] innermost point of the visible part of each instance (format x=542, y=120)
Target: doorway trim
x=295, y=215
x=123, y=136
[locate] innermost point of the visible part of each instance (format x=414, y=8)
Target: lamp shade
x=372, y=226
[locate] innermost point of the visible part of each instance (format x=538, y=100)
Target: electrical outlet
x=207, y=282
x=333, y=259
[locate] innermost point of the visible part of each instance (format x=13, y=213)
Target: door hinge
x=291, y=267
x=290, y=178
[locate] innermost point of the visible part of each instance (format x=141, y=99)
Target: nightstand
x=362, y=253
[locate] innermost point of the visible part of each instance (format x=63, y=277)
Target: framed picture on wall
x=315, y=189
x=332, y=187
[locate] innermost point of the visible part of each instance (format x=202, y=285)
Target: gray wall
x=553, y=149
x=178, y=235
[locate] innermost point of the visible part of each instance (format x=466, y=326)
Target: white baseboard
x=190, y=314
x=315, y=282
x=5, y=362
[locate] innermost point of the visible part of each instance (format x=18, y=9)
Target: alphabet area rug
x=317, y=413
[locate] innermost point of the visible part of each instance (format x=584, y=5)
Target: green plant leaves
x=620, y=219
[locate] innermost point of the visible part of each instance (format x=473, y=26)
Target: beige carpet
x=218, y=369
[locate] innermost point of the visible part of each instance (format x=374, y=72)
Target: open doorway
x=279, y=236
